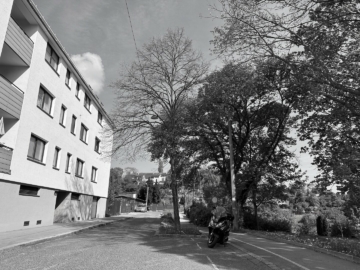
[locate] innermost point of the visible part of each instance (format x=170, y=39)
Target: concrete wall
x=15, y=208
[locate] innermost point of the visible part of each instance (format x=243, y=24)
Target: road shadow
x=142, y=231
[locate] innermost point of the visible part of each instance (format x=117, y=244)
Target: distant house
x=124, y=203
x=155, y=177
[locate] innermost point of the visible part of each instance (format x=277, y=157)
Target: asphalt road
x=131, y=244
x=127, y=244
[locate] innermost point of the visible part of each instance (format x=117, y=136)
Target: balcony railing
x=5, y=159
x=11, y=97
x=19, y=42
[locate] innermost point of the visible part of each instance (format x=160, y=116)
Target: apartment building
x=52, y=162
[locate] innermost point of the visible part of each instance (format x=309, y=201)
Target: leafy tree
x=255, y=100
x=323, y=39
x=156, y=194
x=161, y=166
x=115, y=185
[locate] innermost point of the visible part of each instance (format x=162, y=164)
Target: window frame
x=82, y=128
x=46, y=92
x=94, y=179
x=62, y=121
x=75, y=196
x=100, y=117
x=97, y=143
x=52, y=52
x=37, y=138
x=68, y=161
x=87, y=101
x=77, y=93
x=57, y=156
x=67, y=78
x=78, y=160
x=73, y=125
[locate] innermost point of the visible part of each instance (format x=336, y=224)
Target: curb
x=339, y=255
x=37, y=241
x=157, y=234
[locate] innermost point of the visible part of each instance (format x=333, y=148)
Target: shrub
x=269, y=220
x=199, y=214
x=322, y=226
x=307, y=223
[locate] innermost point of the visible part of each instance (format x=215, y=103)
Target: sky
x=97, y=36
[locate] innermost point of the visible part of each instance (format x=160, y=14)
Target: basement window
x=28, y=191
x=75, y=197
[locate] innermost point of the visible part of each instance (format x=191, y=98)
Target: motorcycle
x=220, y=231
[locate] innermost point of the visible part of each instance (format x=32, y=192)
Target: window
x=100, y=118
x=83, y=133
x=44, y=101
x=93, y=174
x=36, y=148
x=51, y=57
x=56, y=158
x=28, y=190
x=68, y=160
x=97, y=145
x=77, y=90
x=75, y=197
x=79, y=167
x=73, y=124
x=62, y=115
x=67, y=79
x=87, y=102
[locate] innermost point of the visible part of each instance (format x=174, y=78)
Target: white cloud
x=91, y=68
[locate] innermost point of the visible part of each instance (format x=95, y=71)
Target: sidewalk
x=40, y=234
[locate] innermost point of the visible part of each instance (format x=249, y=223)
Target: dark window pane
x=27, y=190
x=39, y=151
x=73, y=124
x=32, y=147
x=47, y=103
x=48, y=54
x=56, y=157
x=62, y=115
x=40, y=98
x=68, y=163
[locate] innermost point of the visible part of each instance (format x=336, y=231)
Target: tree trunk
x=175, y=197
x=255, y=210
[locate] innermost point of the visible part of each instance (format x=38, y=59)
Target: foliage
x=323, y=39
x=343, y=245
x=322, y=226
x=269, y=219
x=307, y=223
x=156, y=194
x=115, y=184
x=150, y=100
x=199, y=214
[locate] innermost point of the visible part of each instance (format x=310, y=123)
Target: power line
x=132, y=30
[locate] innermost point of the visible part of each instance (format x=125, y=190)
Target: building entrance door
x=94, y=207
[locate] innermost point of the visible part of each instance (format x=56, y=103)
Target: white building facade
x=52, y=162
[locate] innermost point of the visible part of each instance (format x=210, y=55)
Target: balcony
x=20, y=44
x=11, y=98
x=5, y=159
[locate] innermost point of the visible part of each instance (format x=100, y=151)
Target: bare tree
x=150, y=95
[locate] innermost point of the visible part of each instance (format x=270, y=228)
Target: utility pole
x=232, y=177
